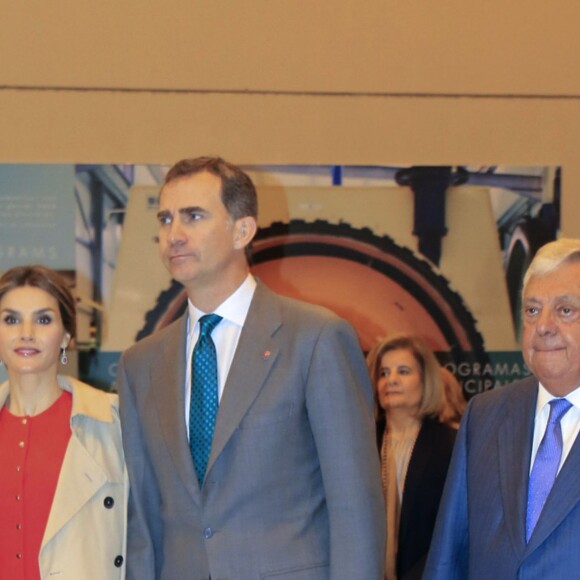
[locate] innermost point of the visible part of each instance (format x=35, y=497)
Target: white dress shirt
x=225, y=335
x=570, y=422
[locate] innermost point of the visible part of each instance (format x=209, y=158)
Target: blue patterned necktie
x=546, y=464
x=204, y=395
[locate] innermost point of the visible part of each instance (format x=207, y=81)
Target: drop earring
x=63, y=357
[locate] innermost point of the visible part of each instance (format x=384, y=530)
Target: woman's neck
x=401, y=421
x=30, y=395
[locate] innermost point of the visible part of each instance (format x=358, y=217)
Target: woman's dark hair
x=48, y=280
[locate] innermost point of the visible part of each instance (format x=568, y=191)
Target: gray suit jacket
x=480, y=530
x=292, y=489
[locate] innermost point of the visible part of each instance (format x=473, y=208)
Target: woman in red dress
x=63, y=484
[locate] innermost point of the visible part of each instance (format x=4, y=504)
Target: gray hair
x=552, y=256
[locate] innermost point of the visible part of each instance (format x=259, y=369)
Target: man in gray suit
x=511, y=506
x=289, y=488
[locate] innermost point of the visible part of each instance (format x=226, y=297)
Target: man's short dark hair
x=238, y=191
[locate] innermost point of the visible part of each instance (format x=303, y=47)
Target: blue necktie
x=204, y=395
x=546, y=464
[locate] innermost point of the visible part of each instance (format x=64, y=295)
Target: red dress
x=32, y=450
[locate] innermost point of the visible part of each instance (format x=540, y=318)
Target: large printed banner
x=37, y=217
x=389, y=250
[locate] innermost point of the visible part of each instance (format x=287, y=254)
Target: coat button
x=119, y=561
x=207, y=533
x=109, y=502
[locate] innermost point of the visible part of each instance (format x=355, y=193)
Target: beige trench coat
x=85, y=534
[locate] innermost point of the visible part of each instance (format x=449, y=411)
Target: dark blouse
x=421, y=494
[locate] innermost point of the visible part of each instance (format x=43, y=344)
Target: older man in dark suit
x=282, y=481
x=511, y=507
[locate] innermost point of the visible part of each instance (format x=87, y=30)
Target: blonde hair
x=433, y=397
x=455, y=402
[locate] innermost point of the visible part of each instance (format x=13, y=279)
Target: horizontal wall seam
x=289, y=93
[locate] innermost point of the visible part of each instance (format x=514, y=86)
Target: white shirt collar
x=234, y=308
x=544, y=397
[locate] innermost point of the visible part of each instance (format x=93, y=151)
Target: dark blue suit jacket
x=480, y=531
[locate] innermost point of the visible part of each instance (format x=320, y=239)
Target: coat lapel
x=168, y=387
x=80, y=478
x=254, y=358
x=515, y=448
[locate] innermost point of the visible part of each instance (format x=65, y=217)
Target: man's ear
x=244, y=231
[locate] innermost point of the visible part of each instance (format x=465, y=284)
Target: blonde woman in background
x=455, y=402
x=415, y=448
x=63, y=490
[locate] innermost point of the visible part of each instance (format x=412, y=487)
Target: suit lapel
x=564, y=496
x=254, y=358
x=168, y=387
x=515, y=448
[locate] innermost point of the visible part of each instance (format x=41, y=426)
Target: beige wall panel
x=100, y=127
x=112, y=127
x=431, y=46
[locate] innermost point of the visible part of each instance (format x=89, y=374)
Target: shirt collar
x=544, y=397
x=234, y=308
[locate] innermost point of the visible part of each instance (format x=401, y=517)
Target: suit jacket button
x=119, y=561
x=109, y=502
x=207, y=533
